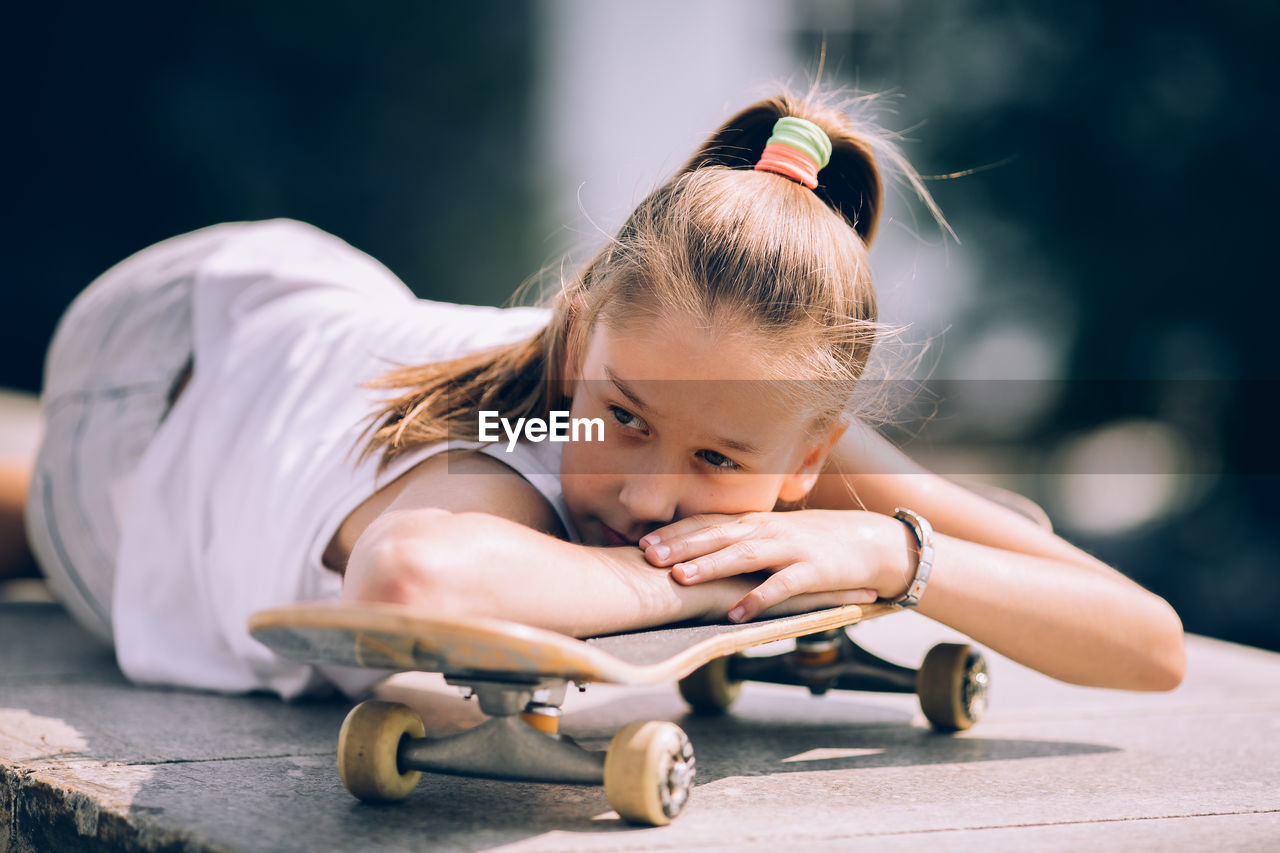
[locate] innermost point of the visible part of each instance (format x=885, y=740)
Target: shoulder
x=456, y=481
x=466, y=481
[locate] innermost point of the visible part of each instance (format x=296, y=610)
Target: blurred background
x=1097, y=338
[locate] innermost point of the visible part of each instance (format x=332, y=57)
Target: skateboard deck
x=390, y=636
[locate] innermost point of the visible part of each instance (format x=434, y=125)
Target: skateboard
x=520, y=673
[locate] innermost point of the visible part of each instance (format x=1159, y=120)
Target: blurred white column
x=628, y=91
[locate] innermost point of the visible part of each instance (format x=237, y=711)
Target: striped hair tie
x=797, y=149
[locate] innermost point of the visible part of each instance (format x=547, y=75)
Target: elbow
x=1168, y=672
x=1167, y=662
x=407, y=558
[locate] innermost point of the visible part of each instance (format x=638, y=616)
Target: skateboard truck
x=823, y=661
x=647, y=772
x=951, y=683
x=507, y=746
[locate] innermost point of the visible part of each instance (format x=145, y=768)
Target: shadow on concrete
x=732, y=747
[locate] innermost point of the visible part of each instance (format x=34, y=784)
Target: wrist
x=922, y=533
x=898, y=557
x=657, y=597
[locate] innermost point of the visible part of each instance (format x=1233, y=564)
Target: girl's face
x=690, y=426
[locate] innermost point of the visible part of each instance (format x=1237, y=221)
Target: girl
x=213, y=446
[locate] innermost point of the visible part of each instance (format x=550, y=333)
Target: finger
x=656, y=545
x=706, y=539
x=775, y=589
x=736, y=558
x=776, y=592
x=684, y=526
x=806, y=603
x=811, y=601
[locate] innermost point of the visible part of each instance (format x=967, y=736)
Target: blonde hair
x=718, y=242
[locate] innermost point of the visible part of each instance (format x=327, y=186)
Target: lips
x=612, y=538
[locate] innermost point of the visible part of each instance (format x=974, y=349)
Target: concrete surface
x=89, y=762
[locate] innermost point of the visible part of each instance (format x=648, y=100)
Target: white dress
x=227, y=505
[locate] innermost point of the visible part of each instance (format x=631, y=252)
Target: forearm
x=1086, y=627
x=1073, y=618
x=1008, y=581
x=482, y=565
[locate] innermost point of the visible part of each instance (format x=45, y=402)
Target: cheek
x=581, y=458
x=585, y=469
x=745, y=493
x=584, y=457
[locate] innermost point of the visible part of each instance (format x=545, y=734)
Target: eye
x=627, y=420
x=718, y=460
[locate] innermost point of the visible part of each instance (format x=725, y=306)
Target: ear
x=801, y=482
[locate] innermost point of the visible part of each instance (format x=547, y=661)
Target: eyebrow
x=624, y=388
x=627, y=391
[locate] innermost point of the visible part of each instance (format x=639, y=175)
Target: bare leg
x=15, y=555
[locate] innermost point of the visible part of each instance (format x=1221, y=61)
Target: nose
x=651, y=499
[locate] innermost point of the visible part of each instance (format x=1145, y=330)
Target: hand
x=857, y=555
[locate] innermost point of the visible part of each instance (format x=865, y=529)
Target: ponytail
x=850, y=184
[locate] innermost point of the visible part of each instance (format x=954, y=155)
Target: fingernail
x=736, y=614
x=689, y=570
x=650, y=539
x=661, y=552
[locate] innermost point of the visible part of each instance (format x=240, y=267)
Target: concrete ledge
x=89, y=762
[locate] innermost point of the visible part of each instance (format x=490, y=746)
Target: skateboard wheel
x=367, y=747
x=648, y=772
x=952, y=686
x=708, y=689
